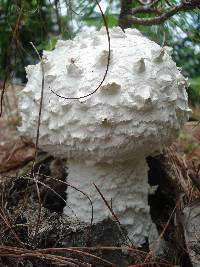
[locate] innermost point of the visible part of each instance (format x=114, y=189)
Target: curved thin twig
x=107, y=66
x=80, y=252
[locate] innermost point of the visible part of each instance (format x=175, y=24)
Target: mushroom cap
x=139, y=108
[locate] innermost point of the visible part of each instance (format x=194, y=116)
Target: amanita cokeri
x=139, y=109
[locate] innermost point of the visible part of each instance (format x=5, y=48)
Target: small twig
x=13, y=151
x=78, y=190
x=30, y=178
x=2, y=94
x=80, y=252
x=53, y=258
x=39, y=209
x=45, y=185
x=151, y=263
x=40, y=108
x=7, y=224
x=132, y=251
x=195, y=180
x=114, y=215
x=157, y=242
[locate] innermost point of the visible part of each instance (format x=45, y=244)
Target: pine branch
x=185, y=5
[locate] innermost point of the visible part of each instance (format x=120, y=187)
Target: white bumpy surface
x=125, y=188
x=138, y=110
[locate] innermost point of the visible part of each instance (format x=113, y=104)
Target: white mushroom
x=138, y=110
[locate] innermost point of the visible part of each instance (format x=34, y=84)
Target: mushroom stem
x=125, y=187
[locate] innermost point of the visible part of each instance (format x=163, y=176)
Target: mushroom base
x=125, y=187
